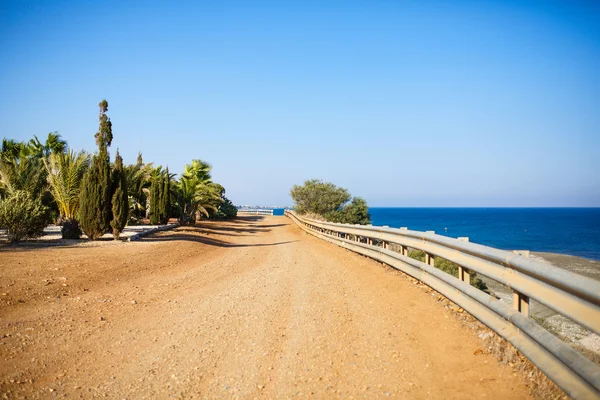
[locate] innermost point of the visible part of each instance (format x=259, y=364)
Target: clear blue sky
x=417, y=103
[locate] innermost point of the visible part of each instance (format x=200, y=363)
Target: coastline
x=580, y=265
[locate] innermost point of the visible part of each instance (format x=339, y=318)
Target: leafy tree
x=318, y=197
x=326, y=200
x=22, y=215
x=96, y=192
x=65, y=175
x=356, y=212
x=120, y=206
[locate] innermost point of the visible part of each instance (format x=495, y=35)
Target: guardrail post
x=404, y=250
x=430, y=259
x=463, y=273
x=521, y=303
x=369, y=241
x=385, y=244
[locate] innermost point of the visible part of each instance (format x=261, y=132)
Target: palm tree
x=138, y=178
x=65, y=174
x=197, y=193
x=199, y=170
x=20, y=169
x=22, y=164
x=54, y=144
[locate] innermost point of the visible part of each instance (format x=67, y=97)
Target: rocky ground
x=254, y=308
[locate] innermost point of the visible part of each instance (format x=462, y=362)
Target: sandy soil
x=249, y=309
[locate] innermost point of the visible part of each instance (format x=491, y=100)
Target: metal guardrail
x=255, y=211
x=572, y=295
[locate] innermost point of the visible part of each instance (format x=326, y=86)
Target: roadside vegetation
x=47, y=182
x=450, y=268
x=326, y=201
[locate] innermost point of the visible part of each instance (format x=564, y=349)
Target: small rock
x=101, y=318
x=133, y=302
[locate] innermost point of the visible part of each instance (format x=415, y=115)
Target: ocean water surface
x=574, y=231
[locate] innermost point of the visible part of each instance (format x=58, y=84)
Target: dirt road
x=249, y=309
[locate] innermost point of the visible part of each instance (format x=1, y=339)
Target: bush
x=226, y=210
x=23, y=216
x=70, y=229
x=450, y=268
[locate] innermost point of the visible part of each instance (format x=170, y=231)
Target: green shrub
x=449, y=267
x=226, y=210
x=23, y=216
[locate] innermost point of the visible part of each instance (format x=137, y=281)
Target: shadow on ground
x=205, y=240
x=240, y=226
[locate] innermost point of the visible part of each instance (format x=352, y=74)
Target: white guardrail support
x=574, y=296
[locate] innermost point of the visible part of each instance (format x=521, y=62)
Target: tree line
x=44, y=182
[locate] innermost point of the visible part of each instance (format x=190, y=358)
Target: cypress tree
x=120, y=201
x=104, y=138
x=96, y=192
x=90, y=203
x=166, y=200
x=155, y=199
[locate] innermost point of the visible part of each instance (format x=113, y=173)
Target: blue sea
x=574, y=231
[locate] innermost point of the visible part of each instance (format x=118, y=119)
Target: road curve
x=254, y=308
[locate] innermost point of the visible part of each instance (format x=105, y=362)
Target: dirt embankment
x=247, y=309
